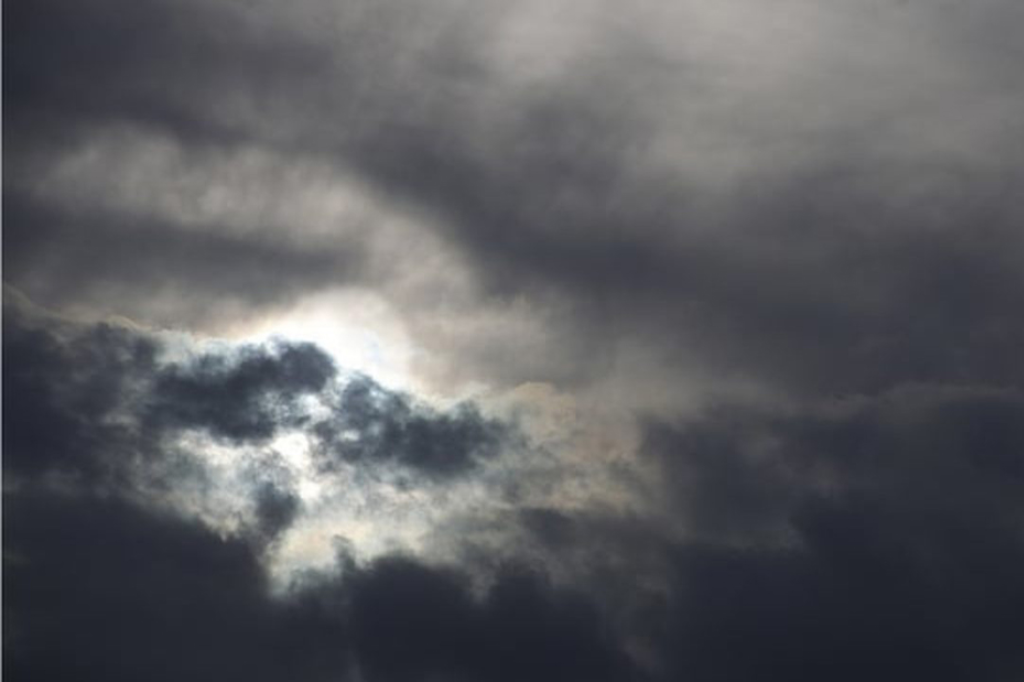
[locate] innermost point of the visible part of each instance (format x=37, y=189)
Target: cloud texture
x=484, y=341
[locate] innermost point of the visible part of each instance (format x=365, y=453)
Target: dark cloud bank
x=865, y=522
x=102, y=585
x=92, y=399
x=901, y=519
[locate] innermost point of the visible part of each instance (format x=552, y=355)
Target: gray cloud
x=372, y=424
x=167, y=597
x=105, y=589
x=247, y=395
x=75, y=257
x=839, y=248
x=769, y=257
x=276, y=509
x=92, y=396
x=62, y=394
x=873, y=537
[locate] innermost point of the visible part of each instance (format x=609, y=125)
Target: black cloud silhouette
x=372, y=424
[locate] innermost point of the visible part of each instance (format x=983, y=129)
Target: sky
x=448, y=341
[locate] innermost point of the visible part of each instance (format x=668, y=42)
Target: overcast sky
x=383, y=341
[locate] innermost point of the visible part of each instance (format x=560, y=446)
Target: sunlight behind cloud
x=357, y=328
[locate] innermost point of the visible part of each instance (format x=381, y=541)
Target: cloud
x=765, y=262
x=87, y=255
x=99, y=588
x=901, y=558
x=928, y=445
x=903, y=519
x=372, y=424
x=64, y=394
x=410, y=622
x=276, y=510
x=264, y=442
x=107, y=384
x=244, y=395
x=167, y=592
x=716, y=209
x=162, y=597
x=867, y=535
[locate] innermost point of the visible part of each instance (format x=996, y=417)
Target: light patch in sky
x=294, y=450
x=358, y=328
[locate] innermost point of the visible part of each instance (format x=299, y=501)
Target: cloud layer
x=697, y=329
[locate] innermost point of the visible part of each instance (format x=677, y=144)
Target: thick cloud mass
x=906, y=516
x=101, y=590
x=371, y=423
x=663, y=342
x=97, y=589
x=244, y=398
x=107, y=583
x=84, y=392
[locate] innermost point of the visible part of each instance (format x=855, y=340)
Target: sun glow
x=362, y=333
x=359, y=329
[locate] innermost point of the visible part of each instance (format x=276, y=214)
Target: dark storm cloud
x=927, y=446
x=69, y=66
x=80, y=401
x=100, y=589
x=852, y=605
x=96, y=400
x=905, y=548
x=59, y=395
x=165, y=596
x=373, y=424
x=244, y=396
x=873, y=537
x=865, y=536
x=276, y=510
x=411, y=623
x=859, y=260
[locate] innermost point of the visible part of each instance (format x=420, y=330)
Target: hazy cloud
x=734, y=289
